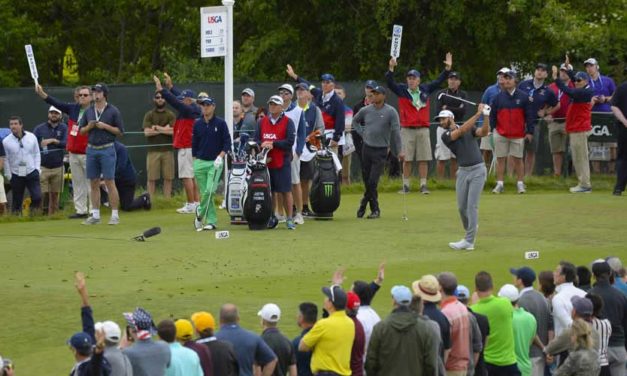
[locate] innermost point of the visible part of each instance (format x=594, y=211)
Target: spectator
x=357, y=140
x=614, y=309
x=184, y=334
x=583, y=278
x=564, y=276
x=583, y=360
x=249, y=109
x=331, y=339
x=103, y=123
x=348, y=120
x=3, y=195
x=250, y=349
x=499, y=353
x=556, y=121
x=547, y=286
x=22, y=162
x=52, y=136
x=260, y=114
x=458, y=358
x=401, y=344
x=239, y=126
x=120, y=365
x=604, y=328
x=187, y=112
x=619, y=108
x=148, y=357
x=183, y=361
x=277, y=132
x=158, y=128
x=76, y=145
x=413, y=102
x=307, y=317
x=223, y=355
x=358, y=352
x=428, y=288
x=578, y=125
x=126, y=181
x=445, y=102
x=479, y=335
x=281, y=346
x=524, y=325
x=512, y=118
x=417, y=307
x=582, y=310
x=487, y=143
x=618, y=273
x=533, y=302
x=366, y=315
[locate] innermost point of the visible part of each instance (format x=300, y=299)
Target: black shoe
x=361, y=211
x=78, y=216
x=306, y=212
x=147, y=202
x=374, y=215
x=617, y=193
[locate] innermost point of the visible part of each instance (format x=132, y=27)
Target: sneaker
x=209, y=227
x=186, y=209
x=78, y=216
x=520, y=187
x=298, y=219
x=462, y=245
x=290, y=224
x=91, y=221
x=307, y=212
x=580, y=189
x=404, y=190
x=617, y=193
x=424, y=190
x=223, y=205
x=281, y=218
x=498, y=189
x=114, y=220
x=197, y=223
x=273, y=222
x=147, y=201
x=374, y=215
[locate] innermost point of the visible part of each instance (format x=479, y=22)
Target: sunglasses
x=158, y=97
x=84, y=95
x=284, y=92
x=579, y=80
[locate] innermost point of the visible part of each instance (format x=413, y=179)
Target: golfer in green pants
x=210, y=142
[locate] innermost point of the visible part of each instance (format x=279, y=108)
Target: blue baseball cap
x=371, y=84
x=206, y=100
x=379, y=89
x=402, y=295
x=462, y=292
x=526, y=274
x=413, y=72
x=582, y=76
x=187, y=93
x=102, y=87
x=327, y=77
x=81, y=341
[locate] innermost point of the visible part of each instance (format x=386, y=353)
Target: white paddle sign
x=30, y=56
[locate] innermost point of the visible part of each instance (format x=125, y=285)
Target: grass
x=182, y=271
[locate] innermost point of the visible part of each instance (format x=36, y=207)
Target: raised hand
x=381, y=270
x=157, y=81
x=448, y=62
x=338, y=277
x=392, y=64
x=168, y=80
x=554, y=71
x=566, y=61
x=40, y=91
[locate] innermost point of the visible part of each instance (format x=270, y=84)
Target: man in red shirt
x=557, y=121
x=457, y=314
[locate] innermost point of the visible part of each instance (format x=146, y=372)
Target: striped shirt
x=604, y=328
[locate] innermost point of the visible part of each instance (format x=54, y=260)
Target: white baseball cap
x=270, y=312
x=53, y=108
x=249, y=91
x=276, y=100
x=111, y=330
x=592, y=61
x=287, y=87
x=510, y=292
x=445, y=114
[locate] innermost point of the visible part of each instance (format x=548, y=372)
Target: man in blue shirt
x=126, y=181
x=52, y=136
x=307, y=317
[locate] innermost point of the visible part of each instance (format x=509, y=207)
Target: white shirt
x=368, y=318
x=21, y=155
x=562, y=307
x=526, y=289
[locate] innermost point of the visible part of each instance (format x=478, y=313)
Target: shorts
x=51, y=179
x=281, y=179
x=486, y=142
x=160, y=164
x=505, y=147
x=101, y=163
x=185, y=163
x=442, y=152
x=557, y=136
x=534, y=145
x=306, y=170
x=295, y=169
x=3, y=195
x=416, y=144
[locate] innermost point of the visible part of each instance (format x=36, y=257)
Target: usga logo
x=214, y=19
x=601, y=130
x=269, y=136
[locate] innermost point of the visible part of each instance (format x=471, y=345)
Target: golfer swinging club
x=210, y=142
x=471, y=174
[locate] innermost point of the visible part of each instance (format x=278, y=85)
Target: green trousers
x=207, y=178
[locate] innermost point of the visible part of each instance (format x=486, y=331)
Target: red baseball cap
x=353, y=301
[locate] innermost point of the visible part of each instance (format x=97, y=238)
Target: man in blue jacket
x=126, y=181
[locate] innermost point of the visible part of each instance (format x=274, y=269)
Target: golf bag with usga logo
x=324, y=194
x=237, y=182
x=258, y=196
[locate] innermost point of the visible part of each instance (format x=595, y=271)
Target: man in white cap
x=524, y=325
x=120, y=365
x=281, y=346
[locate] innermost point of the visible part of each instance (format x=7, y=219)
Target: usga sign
x=214, y=19
x=601, y=130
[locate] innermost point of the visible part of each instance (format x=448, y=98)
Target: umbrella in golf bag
x=258, y=196
x=324, y=194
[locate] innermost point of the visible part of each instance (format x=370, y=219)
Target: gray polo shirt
x=381, y=127
x=110, y=115
x=533, y=302
x=465, y=148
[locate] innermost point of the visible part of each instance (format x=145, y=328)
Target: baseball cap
x=413, y=72
x=371, y=84
x=187, y=93
x=184, y=330
x=428, y=288
x=526, y=274
x=327, y=77
x=202, y=94
x=510, y=73
x=302, y=86
x=402, y=295
x=81, y=341
x=614, y=263
x=203, y=321
x=599, y=268
x=591, y=61
x=111, y=330
x=542, y=66
x=582, y=76
x=445, y=114
x=565, y=67
x=583, y=306
x=270, y=312
x=510, y=292
x=100, y=87
x=336, y=295
x=54, y=109
x=352, y=301
x=276, y=100
x=462, y=292
x=379, y=89
x=502, y=70
x=140, y=319
x=205, y=100
x=454, y=74
x=248, y=91
x=287, y=87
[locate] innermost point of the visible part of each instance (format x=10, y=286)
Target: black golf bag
x=258, y=196
x=237, y=181
x=324, y=195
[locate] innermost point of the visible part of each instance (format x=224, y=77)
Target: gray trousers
x=617, y=357
x=469, y=185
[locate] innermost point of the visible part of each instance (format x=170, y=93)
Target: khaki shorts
x=416, y=144
x=3, y=195
x=160, y=164
x=185, y=163
x=295, y=169
x=51, y=179
x=486, y=143
x=557, y=136
x=504, y=147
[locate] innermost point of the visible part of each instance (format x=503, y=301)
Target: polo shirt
x=603, y=85
x=368, y=318
x=303, y=358
x=524, y=331
x=282, y=348
x=184, y=362
x=331, y=340
x=500, y=349
x=148, y=357
x=249, y=348
x=535, y=303
x=457, y=314
x=162, y=118
x=465, y=148
x=110, y=115
x=52, y=154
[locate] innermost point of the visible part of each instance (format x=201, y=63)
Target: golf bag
x=324, y=195
x=237, y=183
x=258, y=195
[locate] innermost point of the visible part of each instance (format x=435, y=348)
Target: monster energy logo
x=328, y=190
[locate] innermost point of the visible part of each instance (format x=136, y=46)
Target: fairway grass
x=181, y=271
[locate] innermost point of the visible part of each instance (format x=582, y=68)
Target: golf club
x=404, y=217
x=459, y=99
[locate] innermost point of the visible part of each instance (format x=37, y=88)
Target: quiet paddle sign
x=397, y=34
x=30, y=56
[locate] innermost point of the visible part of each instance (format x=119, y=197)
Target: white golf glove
x=486, y=110
x=217, y=163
